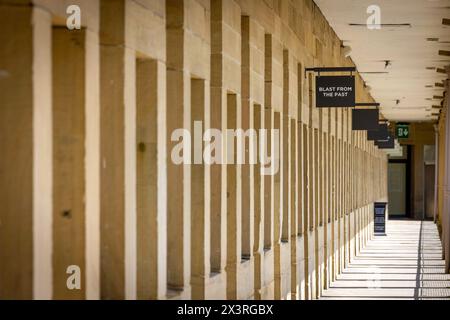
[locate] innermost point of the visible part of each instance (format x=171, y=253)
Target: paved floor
x=406, y=264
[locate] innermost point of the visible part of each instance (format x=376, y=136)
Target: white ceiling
x=407, y=47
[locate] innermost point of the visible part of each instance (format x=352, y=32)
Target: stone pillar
x=269, y=203
x=150, y=178
x=225, y=86
x=277, y=218
x=285, y=143
x=306, y=204
x=258, y=201
x=294, y=205
x=247, y=217
x=286, y=186
x=198, y=218
x=218, y=170
x=446, y=186
x=178, y=275
x=26, y=162
x=233, y=257
x=188, y=64
x=68, y=51
x=112, y=123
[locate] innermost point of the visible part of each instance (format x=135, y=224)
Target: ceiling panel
x=403, y=85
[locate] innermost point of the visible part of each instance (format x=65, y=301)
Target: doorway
x=429, y=190
x=429, y=159
x=399, y=184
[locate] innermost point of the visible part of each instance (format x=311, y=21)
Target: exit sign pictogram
x=402, y=131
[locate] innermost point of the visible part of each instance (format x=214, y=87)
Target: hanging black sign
x=381, y=134
x=380, y=218
x=386, y=144
x=335, y=91
x=365, y=119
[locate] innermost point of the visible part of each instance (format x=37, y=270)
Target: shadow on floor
x=406, y=264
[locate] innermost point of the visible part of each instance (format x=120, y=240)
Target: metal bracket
x=331, y=69
x=368, y=104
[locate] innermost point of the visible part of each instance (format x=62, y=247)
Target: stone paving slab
x=406, y=264
x=395, y=276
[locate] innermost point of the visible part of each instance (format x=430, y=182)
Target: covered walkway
x=406, y=264
x=223, y=149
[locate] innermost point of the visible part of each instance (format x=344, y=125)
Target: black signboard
x=365, y=119
x=379, y=221
x=387, y=144
x=335, y=91
x=382, y=134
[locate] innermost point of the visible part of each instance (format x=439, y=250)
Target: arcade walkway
x=175, y=149
x=407, y=264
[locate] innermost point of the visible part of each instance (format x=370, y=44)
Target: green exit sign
x=402, y=131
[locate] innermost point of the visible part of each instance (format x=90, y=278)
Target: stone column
x=26, y=162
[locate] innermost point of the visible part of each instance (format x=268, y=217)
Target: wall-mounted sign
x=386, y=144
x=365, y=119
x=381, y=134
x=379, y=222
x=335, y=91
x=402, y=131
